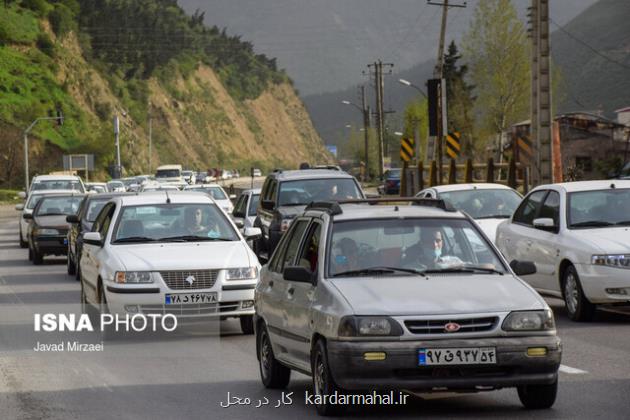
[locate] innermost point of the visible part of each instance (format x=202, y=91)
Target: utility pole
x=379, y=87
x=366, y=126
x=150, y=141
x=117, y=140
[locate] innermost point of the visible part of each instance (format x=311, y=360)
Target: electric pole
x=379, y=87
x=150, y=141
x=541, y=119
x=366, y=128
x=117, y=140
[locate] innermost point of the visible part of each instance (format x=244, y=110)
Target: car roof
x=160, y=197
x=367, y=211
x=56, y=178
x=587, y=185
x=105, y=196
x=199, y=186
x=310, y=174
x=64, y=194
x=47, y=192
x=471, y=186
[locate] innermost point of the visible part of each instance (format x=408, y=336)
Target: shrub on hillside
x=61, y=19
x=40, y=7
x=45, y=44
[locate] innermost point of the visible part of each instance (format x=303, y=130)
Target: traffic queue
x=439, y=292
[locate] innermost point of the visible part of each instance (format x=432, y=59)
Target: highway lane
x=189, y=374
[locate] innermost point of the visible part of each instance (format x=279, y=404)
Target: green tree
x=416, y=124
x=497, y=50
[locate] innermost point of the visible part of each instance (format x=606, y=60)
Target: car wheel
x=247, y=324
x=38, y=258
x=70, y=266
x=323, y=383
x=273, y=374
x=108, y=331
x=538, y=396
x=578, y=306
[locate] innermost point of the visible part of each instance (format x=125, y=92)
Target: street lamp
x=408, y=83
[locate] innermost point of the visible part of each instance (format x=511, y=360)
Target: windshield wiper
x=191, y=238
x=134, y=239
x=592, y=223
x=485, y=269
x=378, y=270
x=495, y=216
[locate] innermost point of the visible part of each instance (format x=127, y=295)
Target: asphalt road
x=189, y=374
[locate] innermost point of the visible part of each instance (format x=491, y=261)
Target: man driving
x=426, y=252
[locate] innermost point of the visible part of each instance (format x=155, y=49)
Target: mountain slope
x=593, y=53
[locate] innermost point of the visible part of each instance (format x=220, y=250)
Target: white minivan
x=169, y=173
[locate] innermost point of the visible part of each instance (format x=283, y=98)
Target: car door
x=91, y=254
x=545, y=251
x=240, y=209
x=299, y=297
x=275, y=288
x=516, y=238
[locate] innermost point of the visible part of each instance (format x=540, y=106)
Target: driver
x=427, y=251
x=194, y=217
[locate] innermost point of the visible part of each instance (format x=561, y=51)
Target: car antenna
x=168, y=199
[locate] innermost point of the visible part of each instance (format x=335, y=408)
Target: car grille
x=191, y=309
x=176, y=280
x=437, y=326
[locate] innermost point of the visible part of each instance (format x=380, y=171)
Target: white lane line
x=571, y=370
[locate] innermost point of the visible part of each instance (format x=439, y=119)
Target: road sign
x=406, y=149
x=453, y=145
x=78, y=162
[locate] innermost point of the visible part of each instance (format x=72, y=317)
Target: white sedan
x=578, y=235
x=489, y=204
x=175, y=253
x=217, y=193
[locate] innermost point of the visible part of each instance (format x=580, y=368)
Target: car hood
x=437, y=294
x=613, y=240
x=489, y=227
x=183, y=255
x=57, y=222
x=289, y=212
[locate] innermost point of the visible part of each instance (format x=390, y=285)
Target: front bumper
x=596, y=279
x=400, y=368
x=151, y=298
x=51, y=245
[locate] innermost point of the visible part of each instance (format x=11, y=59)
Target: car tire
x=38, y=258
x=538, y=397
x=108, y=332
x=578, y=306
x=247, y=324
x=323, y=382
x=70, y=265
x=273, y=374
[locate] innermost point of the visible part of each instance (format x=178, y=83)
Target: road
x=189, y=374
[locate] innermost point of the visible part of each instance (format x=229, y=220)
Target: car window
x=107, y=221
x=292, y=246
x=309, y=256
x=528, y=209
x=598, y=208
x=217, y=193
x=33, y=200
x=56, y=206
x=302, y=192
x=483, y=203
x=551, y=207
x=253, y=204
x=58, y=185
x=93, y=209
x=239, y=208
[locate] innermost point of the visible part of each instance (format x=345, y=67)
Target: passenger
x=347, y=255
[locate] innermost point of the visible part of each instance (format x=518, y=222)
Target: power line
x=570, y=35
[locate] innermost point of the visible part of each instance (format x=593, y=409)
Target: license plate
x=457, y=356
x=184, y=298
x=65, y=241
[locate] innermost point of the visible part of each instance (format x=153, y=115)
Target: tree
x=497, y=50
x=459, y=95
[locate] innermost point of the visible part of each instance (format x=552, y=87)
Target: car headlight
x=242, y=273
x=46, y=232
x=614, y=260
x=529, y=321
x=366, y=326
x=134, y=277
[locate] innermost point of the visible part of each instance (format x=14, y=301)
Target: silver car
x=366, y=297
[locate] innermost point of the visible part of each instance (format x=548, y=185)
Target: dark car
x=285, y=194
x=391, y=180
x=48, y=230
x=82, y=222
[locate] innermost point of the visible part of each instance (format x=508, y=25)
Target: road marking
x=571, y=370
x=107, y=387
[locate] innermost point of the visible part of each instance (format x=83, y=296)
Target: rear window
x=302, y=192
x=58, y=206
x=58, y=185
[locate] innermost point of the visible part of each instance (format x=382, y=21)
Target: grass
x=20, y=25
x=9, y=197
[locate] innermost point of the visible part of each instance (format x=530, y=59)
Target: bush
x=45, y=44
x=40, y=7
x=61, y=19
x=5, y=37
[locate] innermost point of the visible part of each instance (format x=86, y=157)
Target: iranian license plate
x=184, y=298
x=457, y=356
x=65, y=241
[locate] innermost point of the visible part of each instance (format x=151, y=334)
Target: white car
x=489, y=204
x=28, y=207
x=245, y=209
x=57, y=182
x=116, y=186
x=216, y=192
x=189, y=177
x=158, y=187
x=157, y=254
x=578, y=235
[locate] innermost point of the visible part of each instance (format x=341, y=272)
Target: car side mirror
x=19, y=207
x=93, y=238
x=22, y=194
x=27, y=216
x=545, y=223
x=299, y=274
x=267, y=204
x=252, y=233
x=72, y=218
x=523, y=268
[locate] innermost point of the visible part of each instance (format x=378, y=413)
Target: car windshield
x=94, y=209
x=115, y=184
x=58, y=185
x=302, y=192
x=58, y=206
x=253, y=205
x=193, y=222
x=592, y=209
x=215, y=192
x=167, y=173
x=484, y=203
x=393, y=173
x=362, y=247
x=33, y=200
